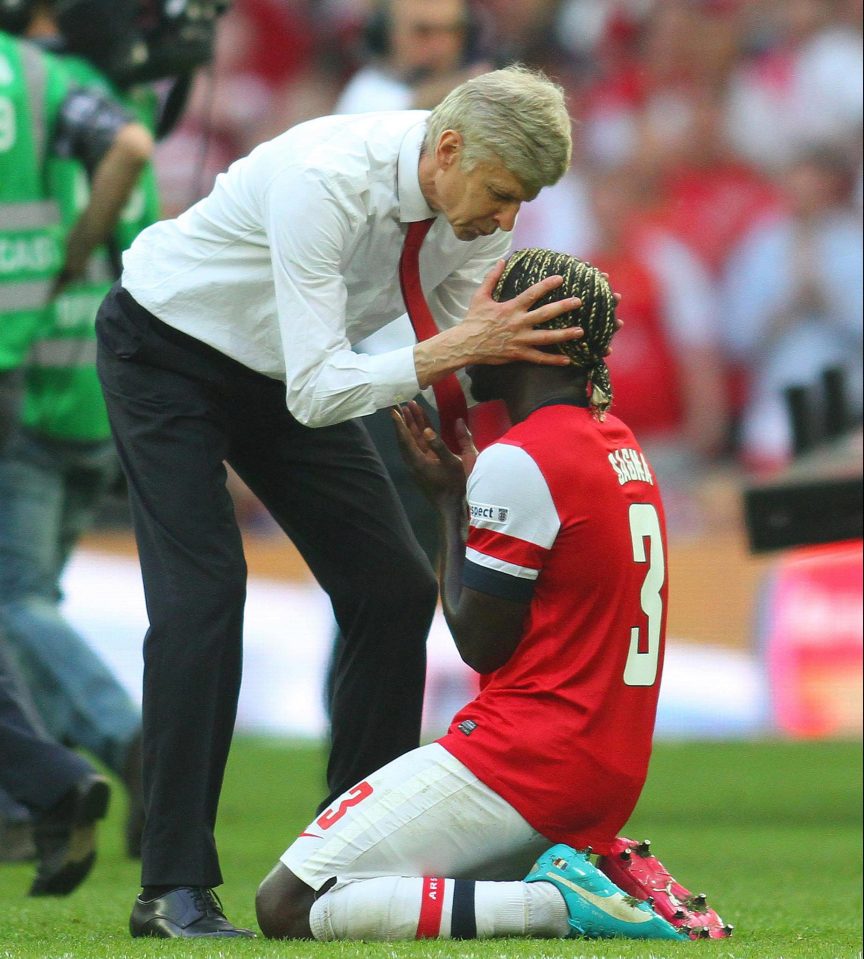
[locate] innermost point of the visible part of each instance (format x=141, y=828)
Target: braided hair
x=596, y=315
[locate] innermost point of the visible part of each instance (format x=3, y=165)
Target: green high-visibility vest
x=62, y=396
x=33, y=86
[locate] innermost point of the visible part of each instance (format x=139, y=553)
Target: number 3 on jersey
x=641, y=668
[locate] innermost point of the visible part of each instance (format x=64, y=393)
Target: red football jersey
x=566, y=514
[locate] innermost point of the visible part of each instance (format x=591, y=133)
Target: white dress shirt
x=373, y=89
x=294, y=256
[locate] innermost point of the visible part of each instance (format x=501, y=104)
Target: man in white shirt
x=419, y=51
x=229, y=340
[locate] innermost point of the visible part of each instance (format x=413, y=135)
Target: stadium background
x=635, y=72
x=764, y=648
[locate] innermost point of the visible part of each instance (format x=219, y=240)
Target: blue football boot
x=596, y=906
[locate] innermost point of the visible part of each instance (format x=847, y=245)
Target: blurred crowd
x=717, y=178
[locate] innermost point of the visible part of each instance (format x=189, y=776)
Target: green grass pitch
x=770, y=830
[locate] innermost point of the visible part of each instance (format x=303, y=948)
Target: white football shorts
x=424, y=814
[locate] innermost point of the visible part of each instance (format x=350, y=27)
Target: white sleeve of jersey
x=512, y=514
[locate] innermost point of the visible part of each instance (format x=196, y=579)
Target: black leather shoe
x=65, y=837
x=182, y=913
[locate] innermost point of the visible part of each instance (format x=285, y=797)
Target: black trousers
x=179, y=410
x=420, y=512
x=33, y=770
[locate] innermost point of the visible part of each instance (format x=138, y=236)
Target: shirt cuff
x=393, y=377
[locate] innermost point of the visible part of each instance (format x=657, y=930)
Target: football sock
x=391, y=908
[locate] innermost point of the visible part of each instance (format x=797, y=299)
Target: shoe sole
x=91, y=806
x=633, y=868
x=152, y=931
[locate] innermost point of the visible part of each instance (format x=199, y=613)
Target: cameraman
x=58, y=459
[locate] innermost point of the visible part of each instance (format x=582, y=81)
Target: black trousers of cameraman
x=179, y=410
x=34, y=771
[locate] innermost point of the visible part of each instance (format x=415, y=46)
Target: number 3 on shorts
x=356, y=795
x=641, y=668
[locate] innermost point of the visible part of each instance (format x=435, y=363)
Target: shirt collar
x=412, y=204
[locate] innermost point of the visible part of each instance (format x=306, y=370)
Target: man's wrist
x=439, y=356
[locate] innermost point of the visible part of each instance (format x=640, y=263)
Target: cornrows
x=596, y=315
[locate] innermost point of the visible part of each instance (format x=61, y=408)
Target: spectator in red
x=667, y=362
x=649, y=63
x=709, y=197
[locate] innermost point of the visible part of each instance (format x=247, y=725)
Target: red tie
x=449, y=397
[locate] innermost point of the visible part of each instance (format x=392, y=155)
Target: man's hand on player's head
x=504, y=331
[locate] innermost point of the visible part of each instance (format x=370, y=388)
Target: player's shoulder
x=506, y=480
x=506, y=453
x=507, y=463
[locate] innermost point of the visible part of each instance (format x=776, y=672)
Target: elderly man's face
x=479, y=201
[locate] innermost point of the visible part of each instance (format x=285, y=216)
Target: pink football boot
x=632, y=867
